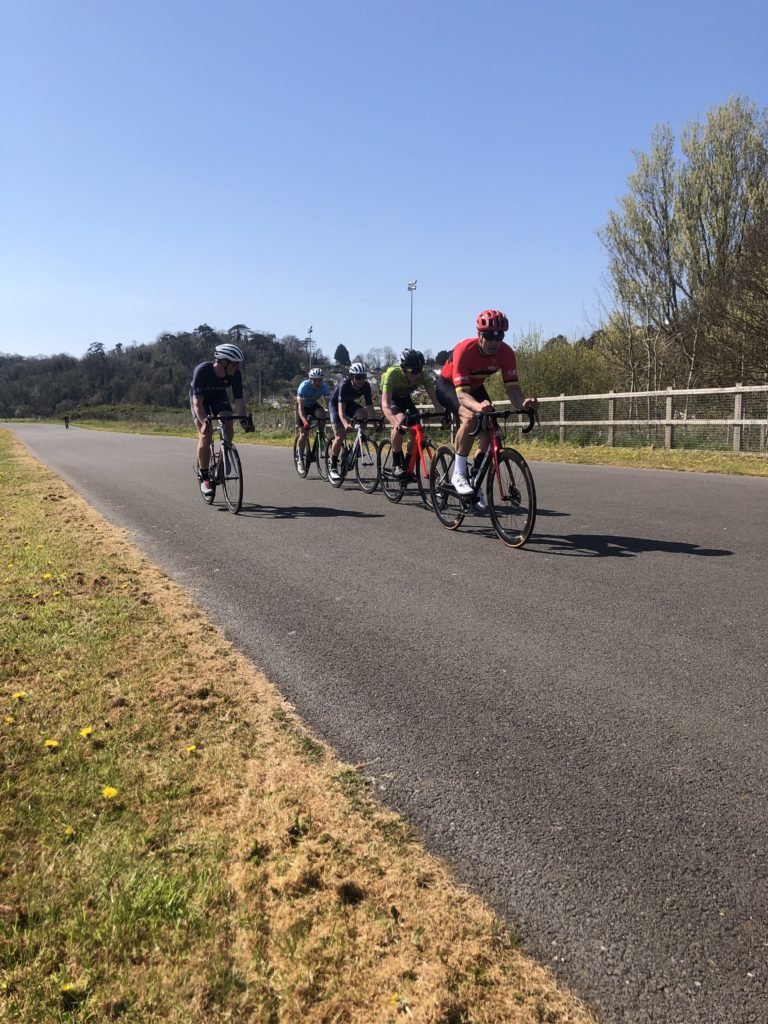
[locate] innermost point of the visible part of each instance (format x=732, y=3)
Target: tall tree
x=676, y=243
x=341, y=356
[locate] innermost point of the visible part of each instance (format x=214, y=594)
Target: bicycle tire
x=446, y=504
x=207, y=498
x=321, y=453
x=342, y=466
x=367, y=466
x=391, y=488
x=422, y=482
x=231, y=479
x=513, y=506
x=301, y=470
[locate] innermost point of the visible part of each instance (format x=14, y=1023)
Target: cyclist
x=397, y=386
x=344, y=406
x=308, y=396
x=208, y=397
x=461, y=386
x=66, y=422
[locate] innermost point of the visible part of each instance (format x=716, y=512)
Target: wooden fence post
x=737, y=415
x=668, y=436
x=562, y=417
x=611, y=418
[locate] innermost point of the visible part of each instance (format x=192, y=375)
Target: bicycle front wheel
x=367, y=466
x=321, y=453
x=301, y=468
x=512, y=499
x=422, y=479
x=392, y=488
x=231, y=476
x=446, y=503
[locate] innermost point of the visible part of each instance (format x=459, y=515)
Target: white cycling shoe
x=462, y=485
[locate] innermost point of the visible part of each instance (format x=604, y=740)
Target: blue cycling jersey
x=310, y=395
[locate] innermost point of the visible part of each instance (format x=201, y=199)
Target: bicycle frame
x=489, y=421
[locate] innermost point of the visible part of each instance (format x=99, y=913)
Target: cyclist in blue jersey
x=344, y=406
x=208, y=397
x=308, y=396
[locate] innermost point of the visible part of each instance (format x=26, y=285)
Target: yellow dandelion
x=9, y=719
x=109, y=792
x=57, y=593
x=191, y=748
x=123, y=586
x=67, y=987
x=69, y=831
x=35, y=595
x=20, y=695
x=51, y=744
x=47, y=575
x=86, y=731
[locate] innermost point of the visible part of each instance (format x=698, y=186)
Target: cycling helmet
x=358, y=370
x=492, y=320
x=228, y=352
x=316, y=373
x=411, y=360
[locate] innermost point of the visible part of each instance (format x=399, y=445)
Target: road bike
x=509, y=489
x=314, y=452
x=224, y=469
x=362, y=456
x=418, y=462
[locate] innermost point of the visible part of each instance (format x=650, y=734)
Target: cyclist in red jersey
x=461, y=385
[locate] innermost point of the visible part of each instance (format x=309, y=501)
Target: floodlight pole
x=411, y=289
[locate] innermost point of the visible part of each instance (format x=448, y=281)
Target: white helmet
x=316, y=373
x=229, y=352
x=358, y=370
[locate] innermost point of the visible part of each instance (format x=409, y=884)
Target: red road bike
x=417, y=464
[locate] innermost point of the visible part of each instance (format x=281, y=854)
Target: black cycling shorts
x=446, y=393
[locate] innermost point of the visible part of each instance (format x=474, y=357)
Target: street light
x=309, y=346
x=411, y=289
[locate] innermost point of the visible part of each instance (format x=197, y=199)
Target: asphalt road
x=578, y=727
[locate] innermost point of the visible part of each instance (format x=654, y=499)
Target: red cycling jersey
x=468, y=367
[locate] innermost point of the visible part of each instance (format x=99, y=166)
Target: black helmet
x=411, y=360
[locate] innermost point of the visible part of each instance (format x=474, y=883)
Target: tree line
x=685, y=298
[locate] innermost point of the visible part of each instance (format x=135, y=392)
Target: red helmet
x=492, y=320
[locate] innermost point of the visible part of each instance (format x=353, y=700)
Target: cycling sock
x=478, y=461
x=461, y=464
x=397, y=458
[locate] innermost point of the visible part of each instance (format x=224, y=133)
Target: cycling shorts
x=446, y=393
x=212, y=408
x=402, y=403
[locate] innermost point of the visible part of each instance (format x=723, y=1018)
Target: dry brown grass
x=294, y=896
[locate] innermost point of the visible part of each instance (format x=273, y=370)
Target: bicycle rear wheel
x=446, y=503
x=367, y=466
x=302, y=470
x=422, y=481
x=392, y=488
x=341, y=472
x=231, y=478
x=512, y=504
x=208, y=498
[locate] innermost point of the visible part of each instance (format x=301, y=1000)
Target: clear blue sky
x=296, y=162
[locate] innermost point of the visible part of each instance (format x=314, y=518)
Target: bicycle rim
x=446, y=504
x=301, y=471
x=422, y=481
x=367, y=466
x=232, y=482
x=513, y=504
x=393, y=489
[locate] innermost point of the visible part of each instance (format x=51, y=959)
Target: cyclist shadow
x=304, y=512
x=599, y=545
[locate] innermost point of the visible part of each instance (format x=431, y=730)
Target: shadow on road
x=599, y=545
x=302, y=512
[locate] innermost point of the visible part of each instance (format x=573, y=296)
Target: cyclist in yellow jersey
x=397, y=386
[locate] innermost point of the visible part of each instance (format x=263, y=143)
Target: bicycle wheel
x=392, y=488
x=321, y=453
x=302, y=470
x=367, y=466
x=512, y=504
x=447, y=505
x=422, y=481
x=231, y=479
x=338, y=479
x=208, y=498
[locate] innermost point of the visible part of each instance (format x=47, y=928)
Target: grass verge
x=175, y=846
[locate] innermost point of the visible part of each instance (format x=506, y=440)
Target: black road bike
x=361, y=456
x=314, y=451
x=224, y=470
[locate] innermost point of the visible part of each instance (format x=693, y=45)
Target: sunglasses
x=494, y=336
x=358, y=376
